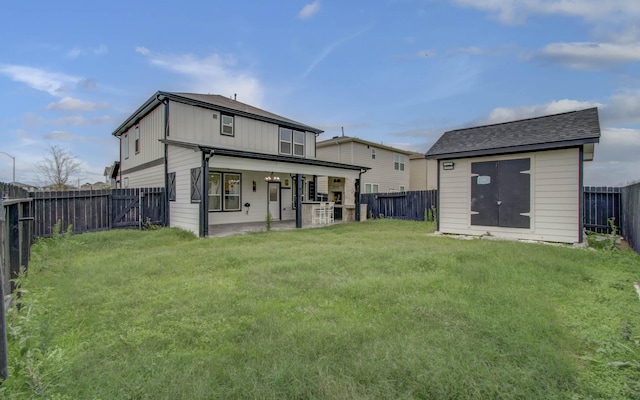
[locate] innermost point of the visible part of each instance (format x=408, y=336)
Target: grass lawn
x=373, y=310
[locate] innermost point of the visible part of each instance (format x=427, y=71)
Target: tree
x=57, y=167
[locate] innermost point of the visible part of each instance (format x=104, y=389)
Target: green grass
x=373, y=310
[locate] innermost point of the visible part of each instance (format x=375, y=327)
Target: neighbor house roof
x=212, y=102
x=349, y=139
x=570, y=129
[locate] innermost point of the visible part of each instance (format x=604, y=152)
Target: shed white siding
x=182, y=212
x=555, y=197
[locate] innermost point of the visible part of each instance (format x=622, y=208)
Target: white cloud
x=502, y=114
x=71, y=104
x=78, y=51
x=589, y=55
x=512, y=12
x=616, y=160
x=623, y=108
x=54, y=83
x=213, y=74
x=309, y=10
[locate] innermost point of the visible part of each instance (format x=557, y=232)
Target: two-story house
x=389, y=167
x=223, y=161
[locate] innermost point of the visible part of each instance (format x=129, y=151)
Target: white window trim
x=224, y=124
x=399, y=162
x=373, y=153
x=292, y=143
x=136, y=139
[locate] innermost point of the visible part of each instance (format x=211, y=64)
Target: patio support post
x=298, y=200
x=204, y=197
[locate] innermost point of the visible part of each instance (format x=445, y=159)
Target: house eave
x=349, y=139
x=514, y=149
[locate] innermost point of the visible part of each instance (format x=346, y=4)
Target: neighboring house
x=423, y=173
x=95, y=186
x=389, y=167
x=223, y=161
x=111, y=174
x=520, y=179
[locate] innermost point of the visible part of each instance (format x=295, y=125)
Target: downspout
x=437, y=213
x=165, y=101
x=204, y=197
x=581, y=194
x=358, y=186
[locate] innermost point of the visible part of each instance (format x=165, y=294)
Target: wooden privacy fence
x=631, y=217
x=600, y=204
x=414, y=205
x=96, y=210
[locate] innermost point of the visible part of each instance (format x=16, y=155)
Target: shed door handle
x=499, y=202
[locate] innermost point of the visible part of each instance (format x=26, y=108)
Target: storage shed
x=519, y=179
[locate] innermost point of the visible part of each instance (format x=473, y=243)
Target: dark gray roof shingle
x=568, y=129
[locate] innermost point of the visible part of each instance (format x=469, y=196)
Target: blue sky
x=397, y=72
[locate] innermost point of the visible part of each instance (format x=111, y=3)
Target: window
x=298, y=143
x=126, y=182
x=371, y=188
x=196, y=185
x=226, y=125
x=402, y=188
x=232, y=192
x=291, y=142
x=285, y=140
x=171, y=184
x=398, y=162
x=224, y=191
x=215, y=191
x=125, y=146
x=373, y=154
x=136, y=142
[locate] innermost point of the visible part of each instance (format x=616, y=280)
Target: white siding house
x=520, y=179
x=423, y=173
x=389, y=167
x=223, y=161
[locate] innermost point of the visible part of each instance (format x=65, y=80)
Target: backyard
x=373, y=310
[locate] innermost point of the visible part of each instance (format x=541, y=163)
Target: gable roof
x=348, y=139
x=570, y=129
x=212, y=102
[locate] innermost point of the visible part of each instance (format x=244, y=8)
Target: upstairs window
x=125, y=146
x=291, y=142
x=298, y=143
x=136, y=143
x=398, y=162
x=373, y=154
x=226, y=125
x=285, y=140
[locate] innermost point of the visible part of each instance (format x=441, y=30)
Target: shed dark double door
x=501, y=193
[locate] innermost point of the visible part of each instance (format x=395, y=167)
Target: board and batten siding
x=182, y=212
x=144, y=178
x=555, y=197
x=151, y=149
x=202, y=126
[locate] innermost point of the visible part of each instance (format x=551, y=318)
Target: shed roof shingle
x=568, y=129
